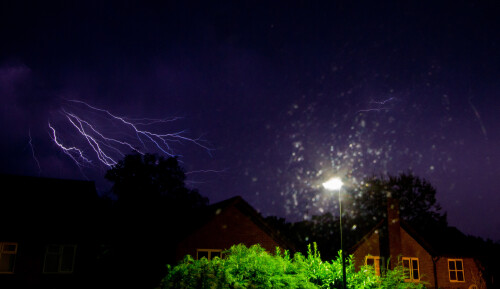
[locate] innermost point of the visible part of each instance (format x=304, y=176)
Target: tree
x=417, y=203
x=152, y=212
x=151, y=179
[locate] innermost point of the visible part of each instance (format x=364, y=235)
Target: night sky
x=261, y=99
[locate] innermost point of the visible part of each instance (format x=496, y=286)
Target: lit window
x=208, y=253
x=375, y=262
x=8, y=253
x=456, y=269
x=410, y=267
x=59, y=259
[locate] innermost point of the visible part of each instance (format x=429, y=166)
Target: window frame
x=411, y=269
x=209, y=251
x=60, y=257
x=456, y=270
x=377, y=262
x=2, y=253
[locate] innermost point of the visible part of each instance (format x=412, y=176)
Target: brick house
x=393, y=240
x=46, y=238
x=227, y=223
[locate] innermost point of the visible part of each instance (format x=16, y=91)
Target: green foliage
x=253, y=267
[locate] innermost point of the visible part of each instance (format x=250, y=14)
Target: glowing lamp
x=333, y=184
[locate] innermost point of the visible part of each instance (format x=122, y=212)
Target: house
x=228, y=223
x=47, y=234
x=58, y=234
x=393, y=241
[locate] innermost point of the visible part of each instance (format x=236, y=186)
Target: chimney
x=393, y=230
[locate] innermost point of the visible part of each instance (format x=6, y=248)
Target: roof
x=37, y=206
x=205, y=215
x=448, y=243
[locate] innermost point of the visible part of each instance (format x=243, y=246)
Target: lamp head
x=333, y=184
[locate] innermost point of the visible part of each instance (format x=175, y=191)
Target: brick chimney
x=394, y=227
x=391, y=234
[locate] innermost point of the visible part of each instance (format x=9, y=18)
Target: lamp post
x=334, y=184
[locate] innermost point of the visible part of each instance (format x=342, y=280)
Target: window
x=59, y=259
x=410, y=267
x=8, y=252
x=375, y=262
x=456, y=269
x=208, y=253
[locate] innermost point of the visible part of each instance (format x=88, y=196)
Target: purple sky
x=284, y=93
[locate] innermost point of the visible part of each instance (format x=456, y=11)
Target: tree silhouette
x=153, y=210
x=148, y=180
x=367, y=203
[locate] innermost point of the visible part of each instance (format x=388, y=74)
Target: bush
x=253, y=267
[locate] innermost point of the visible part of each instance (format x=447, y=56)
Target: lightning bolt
x=126, y=134
x=205, y=171
x=382, y=102
x=73, y=152
x=379, y=105
x=372, y=109
x=33, y=152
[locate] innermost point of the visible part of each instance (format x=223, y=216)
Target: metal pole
x=344, y=284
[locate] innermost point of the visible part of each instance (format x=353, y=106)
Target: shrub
x=253, y=267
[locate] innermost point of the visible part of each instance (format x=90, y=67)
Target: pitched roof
x=205, y=215
x=35, y=205
x=446, y=244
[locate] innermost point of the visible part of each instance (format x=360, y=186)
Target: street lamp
x=334, y=184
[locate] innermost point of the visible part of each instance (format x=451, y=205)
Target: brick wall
x=411, y=248
x=370, y=246
x=228, y=228
x=471, y=274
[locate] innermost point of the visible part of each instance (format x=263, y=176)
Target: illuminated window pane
x=415, y=274
x=202, y=254
x=411, y=270
x=67, y=259
x=456, y=270
x=59, y=259
x=8, y=253
x=51, y=263
x=9, y=248
x=373, y=261
x=208, y=253
x=453, y=275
